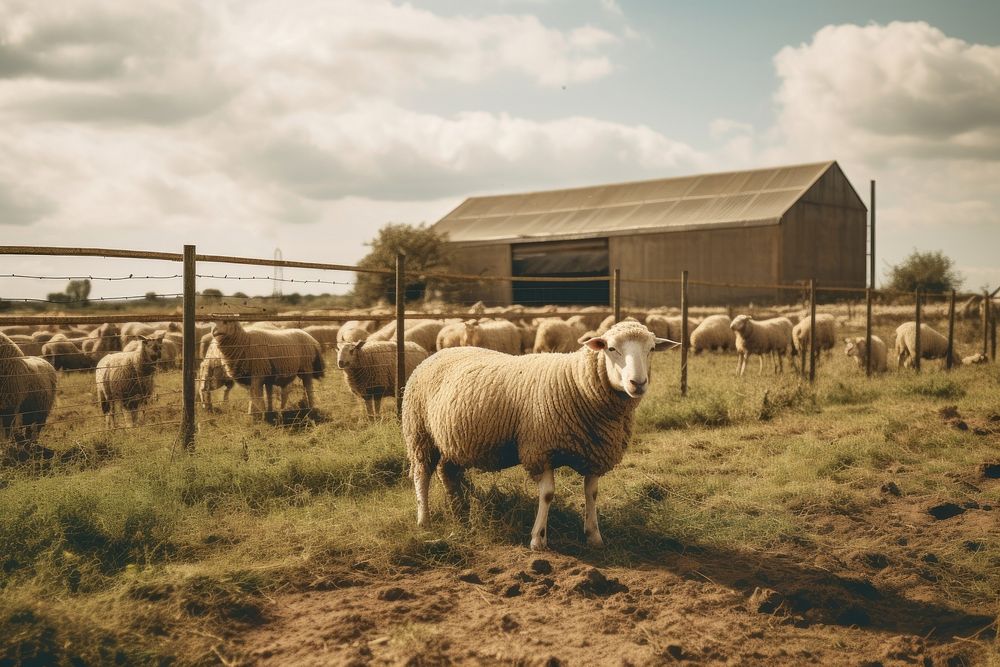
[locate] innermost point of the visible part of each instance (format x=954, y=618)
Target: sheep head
x=740, y=323
x=150, y=349
x=347, y=353
x=471, y=334
x=627, y=348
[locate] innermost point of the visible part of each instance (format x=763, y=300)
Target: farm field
x=756, y=521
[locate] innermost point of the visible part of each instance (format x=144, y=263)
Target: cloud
x=612, y=7
x=885, y=91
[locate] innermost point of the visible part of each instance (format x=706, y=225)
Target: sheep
x=125, y=380
x=131, y=330
x=773, y=336
x=212, y=375
x=64, y=355
x=499, y=335
x=170, y=353
x=28, y=346
x=451, y=336
x=825, y=336
x=102, y=341
x=528, y=333
x=325, y=334
x=974, y=359
x=204, y=344
x=540, y=411
x=857, y=348
x=609, y=321
x=261, y=359
x=42, y=336
x=27, y=391
x=370, y=369
x=353, y=331
x=667, y=327
x=932, y=345
x=39, y=397
x=555, y=335
x=713, y=333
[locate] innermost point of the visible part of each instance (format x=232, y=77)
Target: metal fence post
x=684, y=333
x=951, y=330
x=868, y=332
x=917, y=352
x=616, y=295
x=400, y=331
x=812, y=330
x=188, y=369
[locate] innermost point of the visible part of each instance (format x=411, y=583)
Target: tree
x=426, y=250
x=211, y=294
x=930, y=271
x=151, y=296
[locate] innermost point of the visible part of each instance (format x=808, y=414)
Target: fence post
x=400, y=331
x=951, y=331
x=986, y=322
x=993, y=334
x=188, y=369
x=918, y=351
x=868, y=332
x=812, y=331
x=684, y=333
x=616, y=295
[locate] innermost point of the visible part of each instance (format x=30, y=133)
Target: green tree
x=211, y=294
x=932, y=271
x=151, y=296
x=78, y=292
x=425, y=249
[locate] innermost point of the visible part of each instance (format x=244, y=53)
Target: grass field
x=124, y=549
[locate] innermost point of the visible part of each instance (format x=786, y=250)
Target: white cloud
x=612, y=6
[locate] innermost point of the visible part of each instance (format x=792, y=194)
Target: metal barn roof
x=732, y=199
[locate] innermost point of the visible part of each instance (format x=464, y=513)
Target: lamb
x=27, y=392
x=125, y=380
x=857, y=348
x=370, y=369
x=354, y=331
x=932, y=345
x=325, y=334
x=713, y=333
x=64, y=355
x=555, y=335
x=825, y=336
x=260, y=360
x=540, y=411
x=773, y=336
x=212, y=375
x=102, y=341
x=498, y=335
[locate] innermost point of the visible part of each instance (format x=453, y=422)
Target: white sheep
x=132, y=330
x=39, y=397
x=27, y=392
x=370, y=369
x=713, y=333
x=325, y=334
x=451, y=335
x=212, y=375
x=609, y=322
x=353, y=331
x=102, y=341
x=555, y=335
x=29, y=347
x=262, y=359
x=773, y=336
x=932, y=345
x=498, y=335
x=64, y=355
x=540, y=411
x=528, y=331
x=858, y=348
x=825, y=336
x=125, y=380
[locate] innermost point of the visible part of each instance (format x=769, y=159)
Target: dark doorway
x=561, y=259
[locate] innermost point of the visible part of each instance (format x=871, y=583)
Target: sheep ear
x=595, y=343
x=142, y=338
x=664, y=344
x=359, y=345
x=582, y=340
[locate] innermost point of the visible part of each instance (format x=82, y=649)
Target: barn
x=761, y=227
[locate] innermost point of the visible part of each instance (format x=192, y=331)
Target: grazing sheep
x=212, y=375
x=39, y=397
x=64, y=355
x=826, y=335
x=713, y=333
x=932, y=345
x=773, y=336
x=125, y=380
x=170, y=353
x=354, y=331
x=590, y=321
x=857, y=348
x=27, y=391
x=667, y=326
x=102, y=341
x=325, y=334
x=131, y=330
x=451, y=335
x=555, y=335
x=975, y=359
x=540, y=411
x=370, y=369
x=262, y=359
x=609, y=321
x=498, y=335
x=29, y=347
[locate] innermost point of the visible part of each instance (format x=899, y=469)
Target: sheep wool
x=39, y=397
x=64, y=355
x=555, y=335
x=125, y=380
x=826, y=333
x=773, y=336
x=451, y=336
x=370, y=369
x=14, y=384
x=858, y=348
x=498, y=335
x=353, y=331
x=713, y=333
x=212, y=375
x=932, y=344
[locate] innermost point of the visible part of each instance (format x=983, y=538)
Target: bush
x=931, y=271
x=425, y=249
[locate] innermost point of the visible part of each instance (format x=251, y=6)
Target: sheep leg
x=761, y=357
x=256, y=396
x=453, y=479
x=590, y=528
x=377, y=404
x=370, y=407
x=421, y=485
x=741, y=363
x=307, y=384
x=546, y=492
x=269, y=391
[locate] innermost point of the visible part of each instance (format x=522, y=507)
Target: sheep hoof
x=539, y=544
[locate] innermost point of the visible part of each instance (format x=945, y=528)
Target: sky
x=247, y=125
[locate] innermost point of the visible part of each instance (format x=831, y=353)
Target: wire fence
x=149, y=367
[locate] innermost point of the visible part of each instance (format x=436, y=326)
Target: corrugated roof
x=731, y=199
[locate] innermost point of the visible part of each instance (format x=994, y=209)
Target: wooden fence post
x=616, y=295
x=918, y=351
x=986, y=322
x=812, y=331
x=188, y=368
x=684, y=333
x=868, y=332
x=400, y=331
x=951, y=330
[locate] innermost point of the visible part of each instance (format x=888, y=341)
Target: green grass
x=121, y=548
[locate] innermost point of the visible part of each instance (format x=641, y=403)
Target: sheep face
x=740, y=323
x=347, y=353
x=854, y=348
x=151, y=349
x=471, y=336
x=628, y=351
x=224, y=328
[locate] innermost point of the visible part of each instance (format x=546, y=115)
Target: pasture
x=757, y=521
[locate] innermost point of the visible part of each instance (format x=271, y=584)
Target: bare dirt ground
x=689, y=604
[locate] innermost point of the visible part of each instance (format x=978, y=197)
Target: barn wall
x=743, y=255
x=486, y=260
x=825, y=234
